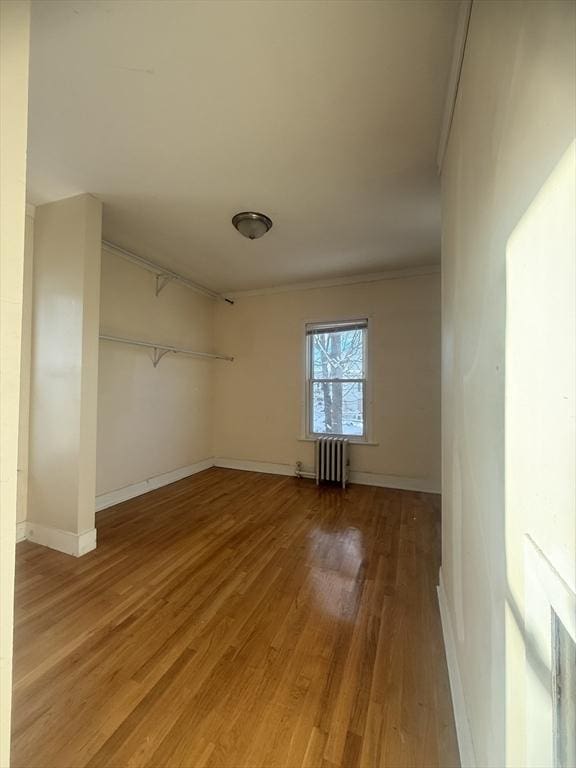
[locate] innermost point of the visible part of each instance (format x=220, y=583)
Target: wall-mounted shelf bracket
x=161, y=282
x=158, y=354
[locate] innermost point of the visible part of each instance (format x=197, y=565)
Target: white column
x=64, y=374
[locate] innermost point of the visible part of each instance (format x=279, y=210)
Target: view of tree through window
x=336, y=355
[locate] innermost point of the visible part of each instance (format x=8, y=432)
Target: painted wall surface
x=14, y=48
x=62, y=460
x=540, y=442
x=260, y=397
x=25, y=363
x=513, y=123
x=151, y=420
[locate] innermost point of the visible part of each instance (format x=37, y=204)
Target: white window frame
x=365, y=438
x=545, y=594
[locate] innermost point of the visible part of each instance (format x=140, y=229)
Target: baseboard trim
x=20, y=531
x=266, y=467
x=80, y=544
x=105, y=500
x=361, y=478
x=76, y=544
x=398, y=482
x=463, y=733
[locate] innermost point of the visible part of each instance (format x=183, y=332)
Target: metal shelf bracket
x=157, y=355
x=162, y=281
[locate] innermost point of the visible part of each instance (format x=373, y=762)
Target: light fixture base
x=252, y=224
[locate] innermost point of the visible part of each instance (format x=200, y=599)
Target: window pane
x=337, y=408
x=338, y=355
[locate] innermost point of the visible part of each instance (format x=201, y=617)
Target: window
x=336, y=378
x=549, y=669
x=564, y=694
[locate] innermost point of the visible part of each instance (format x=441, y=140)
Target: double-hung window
x=336, y=378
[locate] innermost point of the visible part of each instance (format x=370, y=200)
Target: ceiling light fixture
x=252, y=225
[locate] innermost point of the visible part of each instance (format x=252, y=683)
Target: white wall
x=14, y=47
x=540, y=443
x=259, y=398
x=514, y=120
x=26, y=355
x=64, y=370
x=151, y=421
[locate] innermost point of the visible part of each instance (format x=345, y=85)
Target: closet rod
x=161, y=271
x=162, y=349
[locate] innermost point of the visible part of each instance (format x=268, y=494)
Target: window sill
x=350, y=441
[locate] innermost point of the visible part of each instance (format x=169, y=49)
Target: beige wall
x=14, y=46
x=151, y=421
x=540, y=426
x=24, y=425
x=259, y=398
x=513, y=123
x=64, y=369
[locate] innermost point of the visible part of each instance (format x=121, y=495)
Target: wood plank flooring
x=237, y=620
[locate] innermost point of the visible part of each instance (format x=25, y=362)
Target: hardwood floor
x=237, y=619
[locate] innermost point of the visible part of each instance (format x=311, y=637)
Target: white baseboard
x=465, y=744
x=362, y=478
x=20, y=531
x=397, y=482
x=76, y=544
x=267, y=467
x=111, y=498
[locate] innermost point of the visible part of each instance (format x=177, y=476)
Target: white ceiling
x=323, y=115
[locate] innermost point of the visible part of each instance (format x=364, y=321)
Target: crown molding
x=370, y=277
x=458, y=50
x=229, y=296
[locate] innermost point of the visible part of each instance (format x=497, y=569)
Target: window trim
x=545, y=594
x=307, y=432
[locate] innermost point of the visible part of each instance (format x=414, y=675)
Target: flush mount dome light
x=252, y=225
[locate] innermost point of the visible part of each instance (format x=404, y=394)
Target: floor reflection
x=335, y=559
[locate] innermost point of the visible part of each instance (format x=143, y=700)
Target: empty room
x=287, y=384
